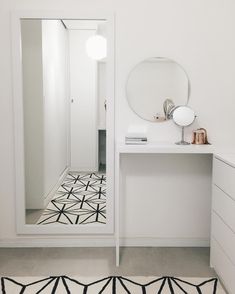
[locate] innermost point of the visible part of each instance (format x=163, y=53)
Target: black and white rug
x=110, y=285
x=81, y=199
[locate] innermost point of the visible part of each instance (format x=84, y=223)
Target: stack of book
x=135, y=140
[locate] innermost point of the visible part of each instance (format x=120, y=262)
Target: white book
x=136, y=143
x=136, y=139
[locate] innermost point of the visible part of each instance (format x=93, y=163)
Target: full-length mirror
x=155, y=86
x=64, y=98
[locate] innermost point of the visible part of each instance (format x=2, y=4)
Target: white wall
x=102, y=99
x=84, y=109
x=102, y=81
x=198, y=34
x=102, y=95
x=33, y=112
x=56, y=101
x=46, y=108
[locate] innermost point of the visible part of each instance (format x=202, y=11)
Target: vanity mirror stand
x=183, y=116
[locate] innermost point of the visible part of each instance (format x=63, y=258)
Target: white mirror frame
x=21, y=226
x=160, y=58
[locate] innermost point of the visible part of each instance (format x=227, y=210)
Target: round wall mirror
x=155, y=87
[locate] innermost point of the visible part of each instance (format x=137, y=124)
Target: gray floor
x=33, y=215
x=184, y=262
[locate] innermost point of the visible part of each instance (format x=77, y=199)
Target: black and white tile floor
x=81, y=199
x=111, y=285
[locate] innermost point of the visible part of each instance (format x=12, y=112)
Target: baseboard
x=51, y=194
x=103, y=242
x=83, y=169
x=165, y=242
x=56, y=242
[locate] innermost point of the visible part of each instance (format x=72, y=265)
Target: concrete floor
x=33, y=215
x=184, y=262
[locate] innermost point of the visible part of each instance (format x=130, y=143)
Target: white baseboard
x=54, y=242
x=103, y=242
x=51, y=194
x=165, y=242
x=83, y=169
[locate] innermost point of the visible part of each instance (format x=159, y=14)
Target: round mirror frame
x=189, y=109
x=188, y=92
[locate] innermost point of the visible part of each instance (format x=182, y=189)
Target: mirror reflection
x=64, y=103
x=155, y=87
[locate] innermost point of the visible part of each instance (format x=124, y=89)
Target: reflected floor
x=81, y=200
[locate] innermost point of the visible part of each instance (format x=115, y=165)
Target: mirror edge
x=159, y=57
x=19, y=189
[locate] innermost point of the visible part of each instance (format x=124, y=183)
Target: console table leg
x=117, y=204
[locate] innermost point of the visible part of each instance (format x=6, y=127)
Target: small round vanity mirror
x=155, y=87
x=183, y=116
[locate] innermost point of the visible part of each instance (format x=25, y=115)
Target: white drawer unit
x=224, y=176
x=224, y=206
x=224, y=236
x=223, y=266
x=223, y=220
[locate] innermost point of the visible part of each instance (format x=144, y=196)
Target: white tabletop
x=165, y=147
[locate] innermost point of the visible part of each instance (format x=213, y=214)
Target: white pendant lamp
x=96, y=47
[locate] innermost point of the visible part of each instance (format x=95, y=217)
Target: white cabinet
x=223, y=221
x=223, y=266
x=224, y=176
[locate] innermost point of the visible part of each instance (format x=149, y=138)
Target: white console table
x=149, y=148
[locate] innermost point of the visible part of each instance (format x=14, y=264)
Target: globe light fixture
x=96, y=47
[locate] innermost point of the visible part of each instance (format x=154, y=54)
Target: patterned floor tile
x=81, y=199
x=111, y=285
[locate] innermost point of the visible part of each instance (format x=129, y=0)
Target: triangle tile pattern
x=111, y=285
x=81, y=200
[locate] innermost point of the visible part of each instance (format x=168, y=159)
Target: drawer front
x=224, y=177
x=224, y=206
x=223, y=267
x=224, y=236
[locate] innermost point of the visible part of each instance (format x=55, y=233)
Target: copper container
x=200, y=137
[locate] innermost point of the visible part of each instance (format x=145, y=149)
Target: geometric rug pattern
x=81, y=199
x=111, y=285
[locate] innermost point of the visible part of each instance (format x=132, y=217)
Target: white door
x=83, y=79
